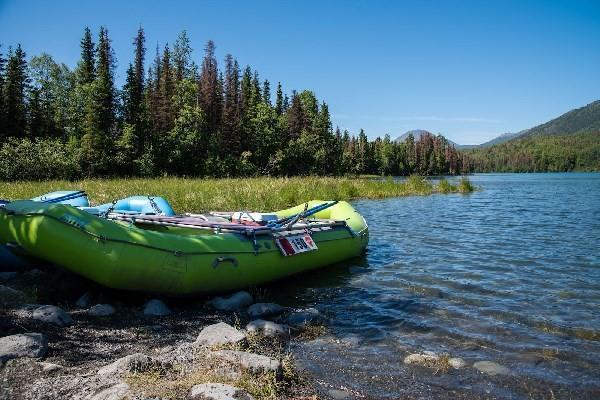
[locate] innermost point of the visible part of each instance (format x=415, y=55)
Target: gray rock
x=267, y=328
x=34, y=272
x=235, y=302
x=491, y=368
x=10, y=295
x=156, y=308
x=101, y=310
x=115, y=392
x=338, y=394
x=457, y=362
x=49, y=367
x=137, y=362
x=52, y=315
x=304, y=317
x=23, y=345
x=421, y=359
x=253, y=363
x=7, y=276
x=84, y=301
x=260, y=310
x=217, y=391
x=219, y=334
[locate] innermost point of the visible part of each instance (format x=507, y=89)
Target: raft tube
x=174, y=260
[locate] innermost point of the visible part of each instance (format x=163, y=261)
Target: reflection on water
x=510, y=273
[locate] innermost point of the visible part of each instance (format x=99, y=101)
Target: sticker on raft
x=296, y=244
x=71, y=220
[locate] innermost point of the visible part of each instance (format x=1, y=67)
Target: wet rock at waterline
x=156, y=308
x=101, y=310
x=137, y=362
x=217, y=391
x=491, y=368
x=267, y=328
x=23, y=345
x=304, y=317
x=219, y=334
x=260, y=310
x=457, y=362
x=84, y=301
x=424, y=359
x=254, y=363
x=235, y=302
x=52, y=315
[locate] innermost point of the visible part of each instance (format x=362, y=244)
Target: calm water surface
x=510, y=273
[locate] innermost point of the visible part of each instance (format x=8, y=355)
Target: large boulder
x=156, y=308
x=254, y=363
x=267, y=328
x=101, y=310
x=260, y=310
x=52, y=315
x=217, y=391
x=220, y=334
x=137, y=362
x=235, y=302
x=23, y=345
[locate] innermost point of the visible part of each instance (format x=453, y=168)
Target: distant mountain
x=569, y=142
x=417, y=133
x=580, y=120
x=505, y=137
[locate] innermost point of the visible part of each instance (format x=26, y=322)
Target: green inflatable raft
x=188, y=254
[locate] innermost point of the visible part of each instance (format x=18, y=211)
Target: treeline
x=555, y=153
x=180, y=118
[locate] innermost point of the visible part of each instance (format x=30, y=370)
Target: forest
x=540, y=153
x=177, y=117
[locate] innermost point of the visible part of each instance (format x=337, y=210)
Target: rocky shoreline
x=62, y=337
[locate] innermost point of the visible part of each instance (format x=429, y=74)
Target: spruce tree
x=183, y=65
x=266, y=92
x=166, y=86
x=209, y=94
x=2, y=96
x=104, y=85
x=17, y=83
x=279, y=100
x=230, y=140
x=87, y=70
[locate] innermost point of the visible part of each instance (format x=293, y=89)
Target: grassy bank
x=234, y=194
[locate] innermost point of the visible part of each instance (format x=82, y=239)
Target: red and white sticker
x=296, y=244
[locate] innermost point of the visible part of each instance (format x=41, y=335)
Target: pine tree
x=256, y=92
x=87, y=70
x=209, y=93
x=266, y=92
x=279, y=100
x=133, y=95
x=17, y=83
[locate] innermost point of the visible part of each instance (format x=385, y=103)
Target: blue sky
x=467, y=69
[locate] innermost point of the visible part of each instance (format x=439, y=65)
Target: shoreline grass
x=265, y=193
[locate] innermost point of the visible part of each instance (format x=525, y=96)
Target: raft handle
x=221, y=259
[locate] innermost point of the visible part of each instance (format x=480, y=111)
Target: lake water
x=510, y=274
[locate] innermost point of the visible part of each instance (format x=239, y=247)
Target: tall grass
x=195, y=195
